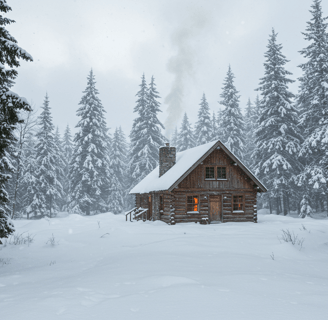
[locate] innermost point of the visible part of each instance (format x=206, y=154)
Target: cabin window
x=161, y=204
x=238, y=203
x=192, y=203
x=209, y=173
x=221, y=173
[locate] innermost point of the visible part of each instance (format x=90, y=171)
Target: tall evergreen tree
x=89, y=169
x=250, y=127
x=49, y=164
x=203, y=128
x=10, y=105
x=60, y=166
x=277, y=138
x=232, y=123
x=118, y=165
x=313, y=103
x=145, y=136
x=29, y=181
x=214, y=128
x=186, y=138
x=219, y=132
x=67, y=147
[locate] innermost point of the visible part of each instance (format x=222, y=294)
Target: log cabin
x=206, y=184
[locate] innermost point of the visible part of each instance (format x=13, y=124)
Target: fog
x=186, y=45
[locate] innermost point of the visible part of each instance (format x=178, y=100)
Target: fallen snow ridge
x=101, y=267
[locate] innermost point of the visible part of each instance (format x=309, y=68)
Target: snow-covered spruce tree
x=214, y=128
x=278, y=137
x=233, y=131
x=118, y=165
x=67, y=147
x=145, y=136
x=250, y=127
x=29, y=183
x=186, y=138
x=219, y=132
x=49, y=166
x=61, y=166
x=313, y=104
x=10, y=105
x=18, y=190
x=89, y=168
x=203, y=127
x=174, y=138
x=306, y=209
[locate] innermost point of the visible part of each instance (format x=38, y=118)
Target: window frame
x=198, y=204
x=242, y=203
x=221, y=173
x=216, y=173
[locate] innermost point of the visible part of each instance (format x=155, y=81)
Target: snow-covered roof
x=185, y=162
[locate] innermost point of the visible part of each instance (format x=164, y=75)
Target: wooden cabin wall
x=236, y=178
x=180, y=207
x=228, y=215
x=169, y=203
x=142, y=200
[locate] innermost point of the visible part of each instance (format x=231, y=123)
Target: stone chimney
x=167, y=158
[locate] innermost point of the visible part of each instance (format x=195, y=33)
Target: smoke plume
x=182, y=65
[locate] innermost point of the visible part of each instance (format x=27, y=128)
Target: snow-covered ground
x=102, y=267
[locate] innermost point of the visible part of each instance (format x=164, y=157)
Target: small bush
x=52, y=241
x=18, y=239
x=4, y=261
x=291, y=237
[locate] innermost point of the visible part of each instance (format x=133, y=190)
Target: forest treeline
x=281, y=137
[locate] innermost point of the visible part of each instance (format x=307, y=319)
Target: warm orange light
x=196, y=204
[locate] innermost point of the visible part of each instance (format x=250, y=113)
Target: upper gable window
x=209, y=173
x=215, y=172
x=221, y=173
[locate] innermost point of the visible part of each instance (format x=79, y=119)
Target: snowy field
x=102, y=267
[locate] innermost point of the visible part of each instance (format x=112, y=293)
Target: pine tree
x=250, y=127
x=10, y=105
x=89, y=168
x=118, y=165
x=277, y=138
x=60, y=166
x=219, y=132
x=174, y=138
x=313, y=102
x=214, y=128
x=67, y=146
x=232, y=121
x=49, y=165
x=306, y=209
x=203, y=128
x=145, y=136
x=29, y=182
x=186, y=138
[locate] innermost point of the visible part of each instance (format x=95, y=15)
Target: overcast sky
x=187, y=45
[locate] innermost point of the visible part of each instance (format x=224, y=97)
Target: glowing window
x=192, y=203
x=238, y=203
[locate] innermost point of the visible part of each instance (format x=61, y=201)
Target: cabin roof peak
x=186, y=162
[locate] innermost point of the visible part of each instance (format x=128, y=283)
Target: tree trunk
x=270, y=205
x=278, y=205
x=284, y=199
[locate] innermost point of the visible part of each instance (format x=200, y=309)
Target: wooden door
x=215, y=208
